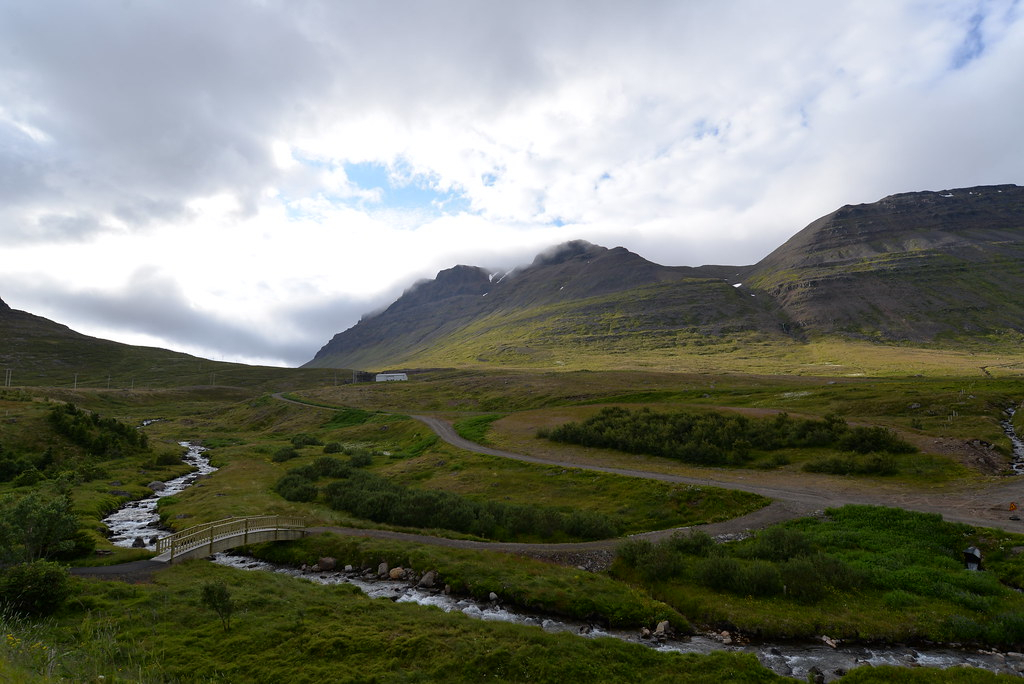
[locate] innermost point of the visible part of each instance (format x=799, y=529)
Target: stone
x=327, y=563
x=396, y=573
x=428, y=579
x=349, y=568
x=382, y=569
x=816, y=675
x=493, y=597
x=447, y=589
x=662, y=629
x=139, y=543
x=157, y=486
x=645, y=633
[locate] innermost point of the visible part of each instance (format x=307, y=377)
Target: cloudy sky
x=243, y=179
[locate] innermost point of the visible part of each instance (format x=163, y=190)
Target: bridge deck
x=209, y=538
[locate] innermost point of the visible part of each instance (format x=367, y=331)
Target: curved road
x=981, y=506
x=985, y=505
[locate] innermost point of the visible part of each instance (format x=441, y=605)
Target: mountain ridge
x=912, y=267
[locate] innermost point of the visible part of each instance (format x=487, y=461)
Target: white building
x=391, y=377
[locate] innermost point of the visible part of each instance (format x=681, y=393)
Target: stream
x=787, y=659
x=1017, y=460
x=138, y=519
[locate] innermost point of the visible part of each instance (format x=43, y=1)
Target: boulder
x=327, y=564
x=349, y=568
x=662, y=630
x=139, y=543
x=382, y=569
x=427, y=581
x=157, y=486
x=396, y=573
x=493, y=597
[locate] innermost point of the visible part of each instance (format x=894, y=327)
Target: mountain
x=576, y=294
x=39, y=352
x=922, y=268
x=915, y=267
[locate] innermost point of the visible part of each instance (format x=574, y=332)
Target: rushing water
x=139, y=518
x=1017, y=461
x=787, y=659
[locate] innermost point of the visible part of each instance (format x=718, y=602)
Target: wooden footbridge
x=203, y=540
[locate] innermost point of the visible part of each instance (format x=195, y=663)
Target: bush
x=720, y=573
x=168, y=458
x=633, y=552
x=696, y=543
x=332, y=448
x=761, y=578
x=36, y=588
x=304, y=440
x=293, y=487
x=779, y=544
x=360, y=459
x=325, y=466
x=284, y=454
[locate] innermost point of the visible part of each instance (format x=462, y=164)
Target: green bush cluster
x=35, y=588
x=303, y=440
x=719, y=438
x=777, y=562
x=106, y=437
x=370, y=496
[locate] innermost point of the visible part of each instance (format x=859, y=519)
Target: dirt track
x=981, y=505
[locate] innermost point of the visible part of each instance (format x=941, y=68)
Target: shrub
x=304, y=440
x=294, y=487
x=720, y=573
x=36, y=588
x=633, y=552
x=801, y=580
x=216, y=597
x=168, y=458
x=696, y=543
x=779, y=544
x=332, y=448
x=360, y=459
x=761, y=578
x=284, y=454
x=325, y=466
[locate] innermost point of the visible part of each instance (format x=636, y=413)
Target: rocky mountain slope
x=912, y=267
x=921, y=267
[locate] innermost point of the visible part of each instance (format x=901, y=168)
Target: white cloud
x=207, y=143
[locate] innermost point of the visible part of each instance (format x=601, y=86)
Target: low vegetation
x=843, y=574
x=724, y=438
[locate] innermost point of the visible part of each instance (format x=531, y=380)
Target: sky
x=242, y=179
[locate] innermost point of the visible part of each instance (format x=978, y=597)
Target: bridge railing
x=208, y=533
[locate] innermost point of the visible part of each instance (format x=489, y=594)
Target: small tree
x=217, y=598
x=35, y=526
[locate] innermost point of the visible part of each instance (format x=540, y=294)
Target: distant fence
x=209, y=538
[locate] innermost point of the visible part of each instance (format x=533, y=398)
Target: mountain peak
x=3, y=306
x=567, y=251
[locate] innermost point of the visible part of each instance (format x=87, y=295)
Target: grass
x=310, y=633
x=887, y=560
x=634, y=504
x=530, y=585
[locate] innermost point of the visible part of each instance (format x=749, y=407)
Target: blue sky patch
x=405, y=190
